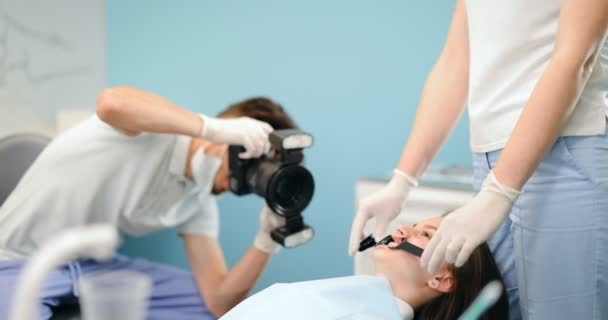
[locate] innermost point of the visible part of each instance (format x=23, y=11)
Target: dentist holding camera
x=535, y=77
x=143, y=164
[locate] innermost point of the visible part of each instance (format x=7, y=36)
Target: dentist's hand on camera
x=383, y=205
x=247, y=132
x=268, y=222
x=468, y=227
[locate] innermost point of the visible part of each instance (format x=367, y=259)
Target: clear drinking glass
x=116, y=295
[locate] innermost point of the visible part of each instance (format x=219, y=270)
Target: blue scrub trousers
x=174, y=294
x=553, y=249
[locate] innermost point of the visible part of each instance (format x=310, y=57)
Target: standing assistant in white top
x=506, y=63
x=535, y=76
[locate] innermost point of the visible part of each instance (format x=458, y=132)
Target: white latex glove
x=383, y=205
x=244, y=131
x=268, y=222
x=466, y=228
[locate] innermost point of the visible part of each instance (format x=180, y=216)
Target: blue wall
x=350, y=72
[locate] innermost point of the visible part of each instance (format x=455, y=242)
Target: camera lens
x=290, y=190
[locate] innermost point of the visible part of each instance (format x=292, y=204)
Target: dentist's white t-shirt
x=511, y=43
x=94, y=174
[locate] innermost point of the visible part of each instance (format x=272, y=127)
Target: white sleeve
x=205, y=221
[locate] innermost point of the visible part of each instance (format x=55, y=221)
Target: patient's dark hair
x=469, y=279
x=262, y=109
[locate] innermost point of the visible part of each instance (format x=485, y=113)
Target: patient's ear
x=442, y=282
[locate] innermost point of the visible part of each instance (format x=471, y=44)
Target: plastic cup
x=118, y=295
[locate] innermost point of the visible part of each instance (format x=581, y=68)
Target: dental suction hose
x=484, y=301
x=95, y=241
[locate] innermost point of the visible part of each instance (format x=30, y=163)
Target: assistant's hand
x=244, y=131
x=268, y=222
x=384, y=205
x=469, y=226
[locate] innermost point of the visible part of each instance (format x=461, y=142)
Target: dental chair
x=17, y=153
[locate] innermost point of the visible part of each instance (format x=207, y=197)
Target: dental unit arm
x=95, y=241
x=488, y=296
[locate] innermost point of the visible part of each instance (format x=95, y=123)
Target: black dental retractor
x=405, y=246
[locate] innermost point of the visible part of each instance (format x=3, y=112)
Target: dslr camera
x=281, y=179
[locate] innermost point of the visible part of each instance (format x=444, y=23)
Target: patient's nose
x=405, y=233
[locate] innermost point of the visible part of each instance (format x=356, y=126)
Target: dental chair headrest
x=17, y=153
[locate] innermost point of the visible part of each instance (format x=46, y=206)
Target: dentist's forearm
x=133, y=111
x=441, y=105
x=221, y=288
x=239, y=281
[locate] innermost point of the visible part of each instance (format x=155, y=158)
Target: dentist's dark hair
x=469, y=280
x=263, y=109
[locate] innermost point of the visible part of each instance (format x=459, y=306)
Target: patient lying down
x=401, y=289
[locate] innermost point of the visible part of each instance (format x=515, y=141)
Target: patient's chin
x=382, y=252
x=383, y=255
x=398, y=264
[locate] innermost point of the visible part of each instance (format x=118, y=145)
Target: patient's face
x=401, y=266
